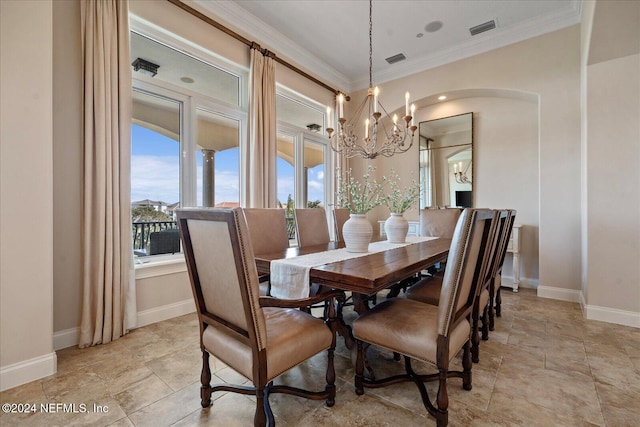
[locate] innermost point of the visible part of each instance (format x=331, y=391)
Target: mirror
x=446, y=162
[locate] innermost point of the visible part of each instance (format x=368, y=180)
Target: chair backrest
x=439, y=222
x=466, y=261
x=494, y=248
x=501, y=240
x=504, y=244
x=311, y=226
x=267, y=229
x=340, y=216
x=222, y=268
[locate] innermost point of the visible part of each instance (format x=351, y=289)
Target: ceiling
x=330, y=38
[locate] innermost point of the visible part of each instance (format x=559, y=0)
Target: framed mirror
x=446, y=162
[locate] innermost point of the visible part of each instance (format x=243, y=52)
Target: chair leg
x=491, y=310
x=263, y=412
x=331, y=378
x=359, y=377
x=205, y=380
x=466, y=367
x=442, y=400
x=486, y=323
x=498, y=303
x=475, y=338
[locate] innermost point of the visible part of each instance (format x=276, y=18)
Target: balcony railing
x=291, y=228
x=142, y=234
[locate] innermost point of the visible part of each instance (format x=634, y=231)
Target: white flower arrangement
x=400, y=200
x=359, y=197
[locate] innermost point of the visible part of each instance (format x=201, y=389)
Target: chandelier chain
x=346, y=141
x=370, y=43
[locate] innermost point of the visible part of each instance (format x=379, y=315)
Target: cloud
x=158, y=178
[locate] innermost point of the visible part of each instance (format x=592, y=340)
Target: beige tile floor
x=544, y=365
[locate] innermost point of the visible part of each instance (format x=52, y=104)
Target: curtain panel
x=106, y=228
x=261, y=156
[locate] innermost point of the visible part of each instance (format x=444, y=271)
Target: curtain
x=261, y=157
x=106, y=227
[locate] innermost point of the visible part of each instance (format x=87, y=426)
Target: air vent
x=489, y=25
x=396, y=58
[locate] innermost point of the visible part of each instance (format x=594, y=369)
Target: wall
x=26, y=196
x=613, y=180
x=67, y=161
x=545, y=68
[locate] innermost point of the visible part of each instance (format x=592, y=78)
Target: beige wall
x=26, y=196
x=505, y=160
x=613, y=184
x=67, y=161
x=161, y=291
x=546, y=68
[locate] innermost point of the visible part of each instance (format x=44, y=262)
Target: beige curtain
x=261, y=157
x=106, y=233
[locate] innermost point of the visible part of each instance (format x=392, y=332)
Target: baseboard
x=27, y=371
x=165, y=312
x=525, y=282
x=70, y=337
x=67, y=338
x=559, y=293
x=611, y=315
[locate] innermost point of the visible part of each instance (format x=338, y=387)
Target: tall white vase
x=357, y=232
x=396, y=228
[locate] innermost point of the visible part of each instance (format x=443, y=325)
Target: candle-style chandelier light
x=386, y=143
x=461, y=176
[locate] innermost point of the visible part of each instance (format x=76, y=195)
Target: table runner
x=290, y=277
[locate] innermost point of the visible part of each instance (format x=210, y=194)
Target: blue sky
x=155, y=171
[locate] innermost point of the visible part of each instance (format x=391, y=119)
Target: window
x=303, y=155
x=185, y=147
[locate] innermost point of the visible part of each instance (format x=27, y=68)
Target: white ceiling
x=330, y=38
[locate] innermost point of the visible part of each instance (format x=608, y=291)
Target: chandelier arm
x=345, y=141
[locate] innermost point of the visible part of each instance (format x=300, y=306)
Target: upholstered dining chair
x=259, y=337
x=428, y=333
x=495, y=300
x=429, y=289
x=311, y=226
x=438, y=223
x=268, y=233
x=340, y=216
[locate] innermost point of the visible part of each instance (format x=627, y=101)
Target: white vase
x=396, y=228
x=357, y=232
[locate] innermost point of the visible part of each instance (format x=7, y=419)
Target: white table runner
x=290, y=277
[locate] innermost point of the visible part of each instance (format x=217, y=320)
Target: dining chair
x=438, y=223
x=268, y=233
x=311, y=226
x=340, y=216
x=259, y=337
x=428, y=290
x=428, y=333
x=495, y=299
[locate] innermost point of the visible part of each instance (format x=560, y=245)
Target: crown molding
x=270, y=38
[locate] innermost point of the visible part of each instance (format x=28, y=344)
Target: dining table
x=366, y=274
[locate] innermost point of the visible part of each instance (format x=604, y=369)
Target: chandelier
x=461, y=176
x=388, y=142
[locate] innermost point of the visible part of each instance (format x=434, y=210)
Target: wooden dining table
x=366, y=275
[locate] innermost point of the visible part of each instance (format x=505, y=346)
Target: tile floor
x=544, y=365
